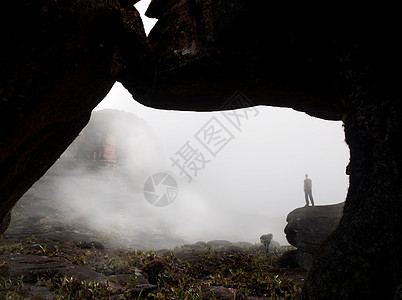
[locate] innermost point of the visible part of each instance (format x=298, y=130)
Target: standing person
x=308, y=190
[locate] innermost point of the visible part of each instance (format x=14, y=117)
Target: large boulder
x=309, y=226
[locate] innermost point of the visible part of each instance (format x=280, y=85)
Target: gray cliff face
x=309, y=226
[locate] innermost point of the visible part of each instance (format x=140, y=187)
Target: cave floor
x=73, y=265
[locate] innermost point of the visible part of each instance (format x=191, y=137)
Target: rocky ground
x=76, y=267
x=46, y=255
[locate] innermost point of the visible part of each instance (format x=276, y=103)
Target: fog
x=247, y=188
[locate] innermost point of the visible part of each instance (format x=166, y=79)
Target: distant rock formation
x=223, y=245
x=106, y=139
x=266, y=240
x=309, y=226
x=219, y=243
x=103, y=148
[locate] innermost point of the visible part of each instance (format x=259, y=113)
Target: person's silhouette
x=308, y=190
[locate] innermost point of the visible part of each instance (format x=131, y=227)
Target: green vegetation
x=180, y=274
x=12, y=289
x=72, y=288
x=244, y=274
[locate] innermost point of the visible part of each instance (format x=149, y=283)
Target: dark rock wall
x=362, y=259
x=58, y=60
x=206, y=50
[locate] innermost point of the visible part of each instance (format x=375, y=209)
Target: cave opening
x=238, y=190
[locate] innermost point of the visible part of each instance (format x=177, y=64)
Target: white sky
x=257, y=178
x=142, y=6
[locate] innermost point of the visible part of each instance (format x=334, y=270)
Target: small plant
x=56, y=249
x=41, y=281
x=78, y=260
x=72, y=288
x=132, y=282
x=117, y=262
x=43, y=248
x=30, y=239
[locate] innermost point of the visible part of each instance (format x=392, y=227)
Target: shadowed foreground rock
x=58, y=60
x=308, y=227
x=362, y=259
